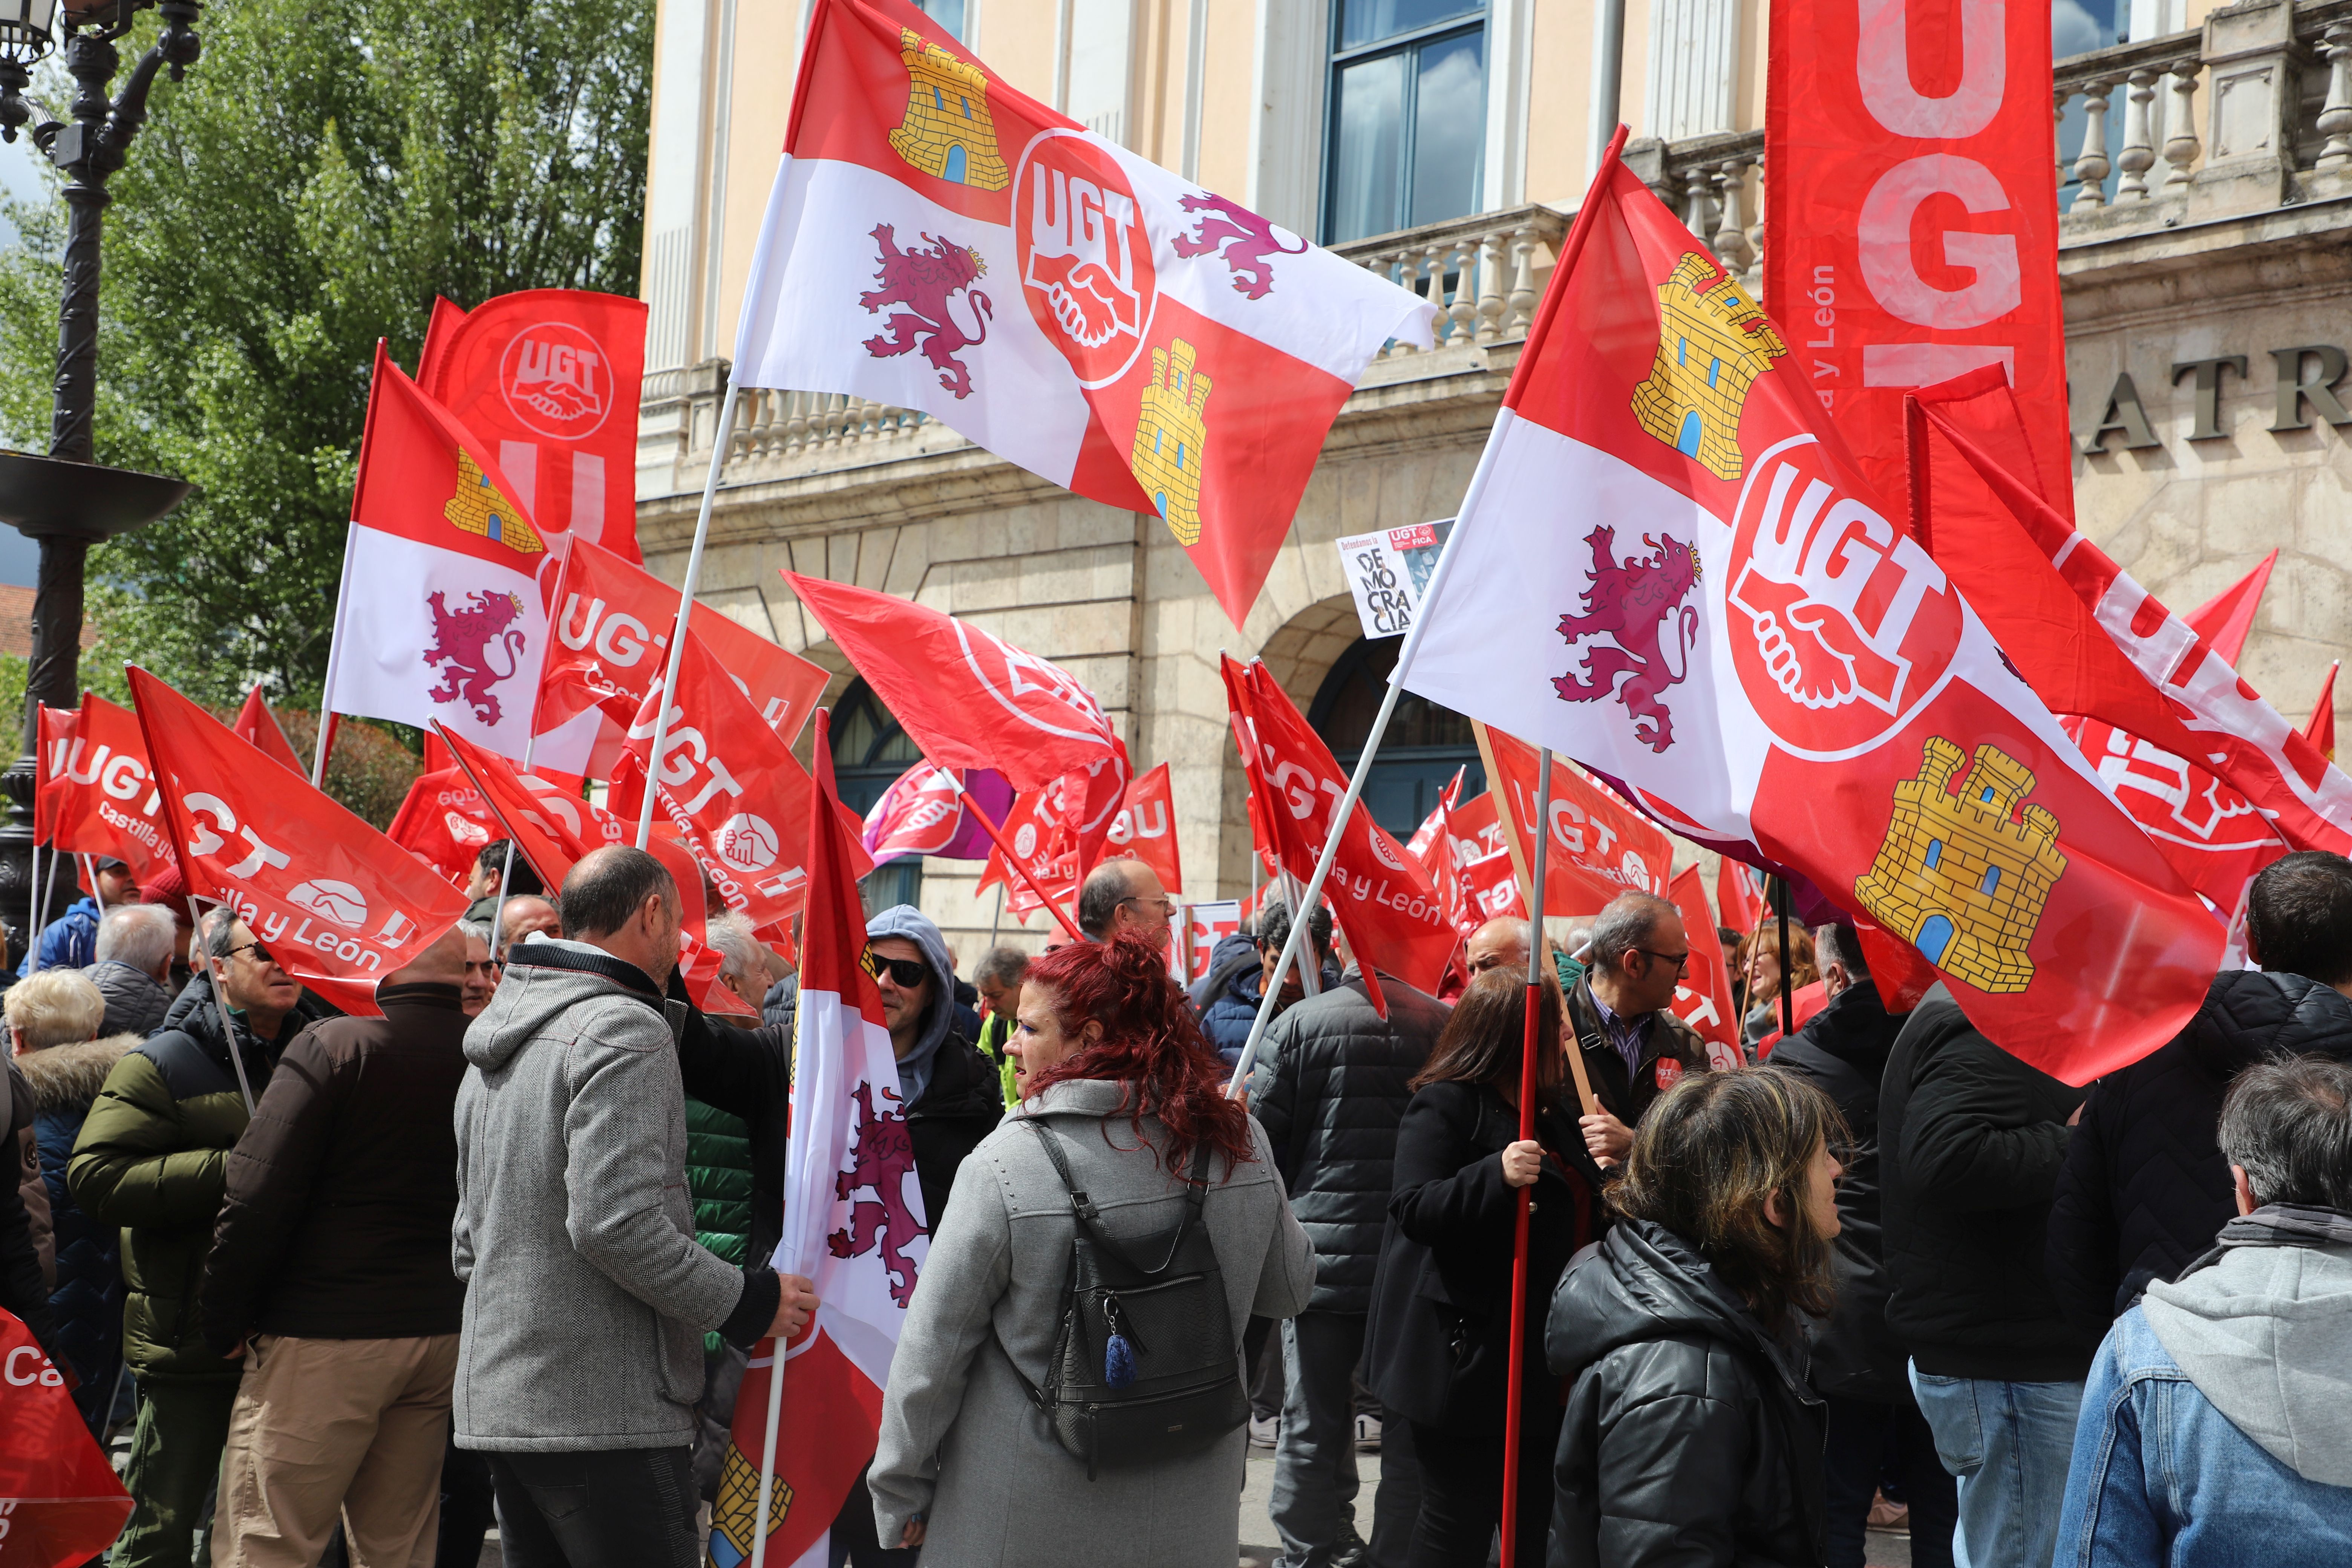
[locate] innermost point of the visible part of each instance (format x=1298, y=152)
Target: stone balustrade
x=1481, y=272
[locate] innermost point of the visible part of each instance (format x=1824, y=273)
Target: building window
x=1408, y=106
x=869, y=750
x=948, y=14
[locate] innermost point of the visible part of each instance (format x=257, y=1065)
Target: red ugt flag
x=553, y=378
x=338, y=905
x=53, y=745
x=257, y=723
x=444, y=822
x=1144, y=828
x=1703, y=995
x=1600, y=847
x=937, y=241
x=1773, y=662
x=61, y=1503
x=105, y=801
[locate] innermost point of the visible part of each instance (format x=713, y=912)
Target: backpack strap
x=1090, y=1218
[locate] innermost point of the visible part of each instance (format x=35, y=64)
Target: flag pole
x=685, y=617
x=506, y=866
x=90, y=874
x=220, y=1006
x=1346, y=810
x=1584, y=1095
x=326, y=735
x=1787, y=1004
x=1012, y=861
x=1529, y=1043
x=768, y=1443
x=33, y=915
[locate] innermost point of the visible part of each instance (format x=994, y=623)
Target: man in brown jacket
x=330, y=1275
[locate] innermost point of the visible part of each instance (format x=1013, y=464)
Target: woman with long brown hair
x=1756, y=972
x=1691, y=1435
x=1067, y=1386
x=1437, y=1344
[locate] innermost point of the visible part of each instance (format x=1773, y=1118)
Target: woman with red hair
x=1067, y=1387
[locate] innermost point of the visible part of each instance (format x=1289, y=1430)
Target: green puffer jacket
x=718, y=1179
x=152, y=1159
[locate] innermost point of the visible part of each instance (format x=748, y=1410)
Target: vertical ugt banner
x=1911, y=218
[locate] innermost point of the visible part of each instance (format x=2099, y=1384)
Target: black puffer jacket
x=1970, y=1144
x=1330, y=1089
x=1690, y=1435
x=135, y=1003
x=1842, y=1051
x=2144, y=1188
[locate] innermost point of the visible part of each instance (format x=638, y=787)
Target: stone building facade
x=2206, y=259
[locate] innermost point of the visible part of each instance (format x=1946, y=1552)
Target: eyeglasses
x=1680, y=961
x=1167, y=907
x=253, y=947
x=907, y=972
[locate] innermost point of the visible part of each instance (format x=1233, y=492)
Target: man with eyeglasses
x=1126, y=898
x=152, y=1159
x=1635, y=1049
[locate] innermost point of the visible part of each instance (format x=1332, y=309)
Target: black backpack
x=1144, y=1365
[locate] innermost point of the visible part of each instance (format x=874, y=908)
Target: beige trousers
x=326, y=1425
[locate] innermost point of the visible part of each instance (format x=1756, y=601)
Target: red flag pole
x=1529, y=1043
x=1012, y=861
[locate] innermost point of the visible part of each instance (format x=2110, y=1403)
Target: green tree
x=326, y=169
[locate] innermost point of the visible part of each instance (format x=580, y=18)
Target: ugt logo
x=556, y=380
x=1086, y=261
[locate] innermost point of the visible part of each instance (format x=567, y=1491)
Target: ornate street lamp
x=66, y=500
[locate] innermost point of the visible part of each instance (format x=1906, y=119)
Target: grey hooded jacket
x=588, y=1295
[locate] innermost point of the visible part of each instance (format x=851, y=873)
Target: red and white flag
x=553, y=378
x=611, y=643
x=1487, y=882
x=938, y=240
x=2225, y=619
x=2319, y=730
x=1763, y=658
x=61, y=1503
x=338, y=905
x=854, y=1224
x=1600, y=845
x=1703, y=995
x=257, y=723
x=444, y=822
x=52, y=746
x=729, y=786
x=1145, y=829
x=1740, y=894
x=442, y=615
x=920, y=814
x=104, y=800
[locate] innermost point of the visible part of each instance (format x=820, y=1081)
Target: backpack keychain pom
x=1118, y=1354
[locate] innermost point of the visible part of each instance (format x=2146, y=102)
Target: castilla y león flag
x=854, y=1225
x=338, y=905
x=60, y=1501
x=1669, y=569
x=442, y=614
x=938, y=240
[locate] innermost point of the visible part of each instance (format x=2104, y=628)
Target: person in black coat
x=2144, y=1188
x=1857, y=1368
x=1691, y=1435
x=1437, y=1341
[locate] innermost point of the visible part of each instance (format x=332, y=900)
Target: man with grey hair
x=1124, y=897
x=743, y=960
x=998, y=980
x=1635, y=1048
x=2215, y=1429
x=134, y=961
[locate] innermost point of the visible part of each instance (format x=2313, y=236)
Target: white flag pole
x=677, y=632
x=776, y=1343
x=220, y=1006
x=33, y=915
x=1346, y=807
x=48, y=898
x=334, y=654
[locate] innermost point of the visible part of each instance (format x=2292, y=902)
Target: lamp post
x=67, y=500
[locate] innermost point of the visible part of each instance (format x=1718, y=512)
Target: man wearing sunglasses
x=1635, y=1048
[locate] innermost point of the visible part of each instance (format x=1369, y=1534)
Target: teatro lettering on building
x=2205, y=248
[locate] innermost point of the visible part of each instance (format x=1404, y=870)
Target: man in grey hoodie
x=2215, y=1428
x=581, y=1356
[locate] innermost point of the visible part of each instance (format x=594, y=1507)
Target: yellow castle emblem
x=1169, y=435
x=947, y=132
x=735, y=1516
x=478, y=507
x=1964, y=878
x=1713, y=342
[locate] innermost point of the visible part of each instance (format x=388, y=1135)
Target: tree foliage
x=327, y=168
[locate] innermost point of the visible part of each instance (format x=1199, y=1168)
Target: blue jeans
x=2007, y=1445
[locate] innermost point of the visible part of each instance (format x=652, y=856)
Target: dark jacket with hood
x=24, y=1288
x=1437, y=1344
x=1690, y=1435
x=2145, y=1187
x=335, y=1223
x=88, y=1300
x=1330, y=1089
x=152, y=1158
x=1842, y=1051
x=1970, y=1143
x=135, y=1001
x=1670, y=1049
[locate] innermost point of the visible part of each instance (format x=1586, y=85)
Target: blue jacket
x=87, y=1299
x=2216, y=1429
x=69, y=941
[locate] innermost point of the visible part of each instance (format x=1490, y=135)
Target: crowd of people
x=362, y=1287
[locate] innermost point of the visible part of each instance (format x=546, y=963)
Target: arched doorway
x=1425, y=744
x=869, y=750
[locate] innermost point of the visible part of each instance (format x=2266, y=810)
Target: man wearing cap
x=70, y=940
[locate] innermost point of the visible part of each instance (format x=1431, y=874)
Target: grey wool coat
x=587, y=1295
x=961, y=1443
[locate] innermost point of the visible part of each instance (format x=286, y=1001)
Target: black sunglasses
x=255, y=947
x=909, y=973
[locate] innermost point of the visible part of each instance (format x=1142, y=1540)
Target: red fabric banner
x=1145, y=829
x=1703, y=997
x=550, y=378
x=338, y=905
x=61, y=1503
x=1738, y=894
x=53, y=745
x=105, y=798
x=257, y=723
x=1912, y=230
x=1600, y=845
x=2319, y=732
x=2224, y=619
x=920, y=814
x=444, y=822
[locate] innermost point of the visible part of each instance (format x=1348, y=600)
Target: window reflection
x=1408, y=108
